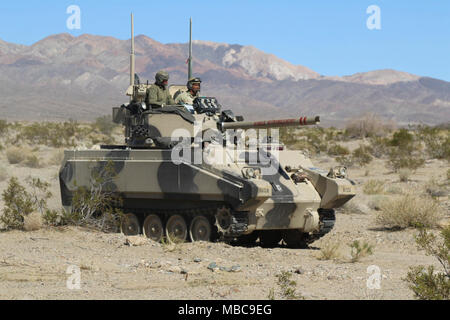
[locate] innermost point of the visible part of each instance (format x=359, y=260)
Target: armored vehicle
x=201, y=173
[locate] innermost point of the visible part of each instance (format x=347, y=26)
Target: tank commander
x=188, y=97
x=158, y=94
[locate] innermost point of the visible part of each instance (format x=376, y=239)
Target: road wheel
x=176, y=229
x=295, y=238
x=129, y=225
x=153, y=227
x=270, y=238
x=200, y=229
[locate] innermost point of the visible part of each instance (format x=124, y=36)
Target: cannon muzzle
x=302, y=121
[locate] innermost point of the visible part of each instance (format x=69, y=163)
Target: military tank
x=200, y=173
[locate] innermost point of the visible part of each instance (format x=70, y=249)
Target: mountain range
x=63, y=76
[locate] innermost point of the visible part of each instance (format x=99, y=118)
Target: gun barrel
x=302, y=121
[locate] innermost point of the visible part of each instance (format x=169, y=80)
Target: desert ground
x=36, y=264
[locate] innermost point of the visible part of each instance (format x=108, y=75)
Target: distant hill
x=62, y=77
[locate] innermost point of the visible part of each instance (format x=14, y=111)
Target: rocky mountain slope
x=63, y=77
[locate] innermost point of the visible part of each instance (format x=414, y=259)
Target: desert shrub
x=361, y=155
x=57, y=157
x=434, y=189
x=448, y=174
x=401, y=138
x=345, y=161
x=105, y=124
x=404, y=174
x=337, y=150
x=330, y=250
x=368, y=125
x=405, y=151
x=399, y=159
x=15, y=155
x=379, y=146
x=31, y=161
x=287, y=286
x=3, y=126
x=287, y=136
x=437, y=142
x=18, y=203
x=429, y=284
x=409, y=211
x=3, y=173
x=358, y=250
x=374, y=187
x=95, y=206
x=52, y=134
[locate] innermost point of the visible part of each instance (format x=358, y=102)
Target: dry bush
x=361, y=155
x=448, y=174
x=434, y=189
x=31, y=161
x=409, y=210
x=330, y=250
x=368, y=125
x=96, y=206
x=3, y=127
x=404, y=174
x=3, y=173
x=337, y=150
x=32, y=222
x=374, y=187
x=16, y=155
x=379, y=146
x=437, y=142
x=57, y=157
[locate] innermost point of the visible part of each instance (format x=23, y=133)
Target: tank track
x=230, y=226
x=236, y=226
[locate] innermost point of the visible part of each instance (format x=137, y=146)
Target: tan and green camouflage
x=186, y=98
x=205, y=174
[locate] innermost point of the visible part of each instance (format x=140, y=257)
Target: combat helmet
x=161, y=76
x=193, y=80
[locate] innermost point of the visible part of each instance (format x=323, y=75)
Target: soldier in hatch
x=188, y=97
x=158, y=94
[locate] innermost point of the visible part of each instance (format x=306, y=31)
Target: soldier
x=188, y=97
x=158, y=95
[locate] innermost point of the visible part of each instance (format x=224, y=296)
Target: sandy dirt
x=34, y=264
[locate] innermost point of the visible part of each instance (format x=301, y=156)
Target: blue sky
x=330, y=37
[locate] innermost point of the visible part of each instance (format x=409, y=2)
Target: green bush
x=361, y=155
x=18, y=203
x=437, y=142
x=3, y=127
x=337, y=150
x=399, y=159
x=358, y=250
x=427, y=283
